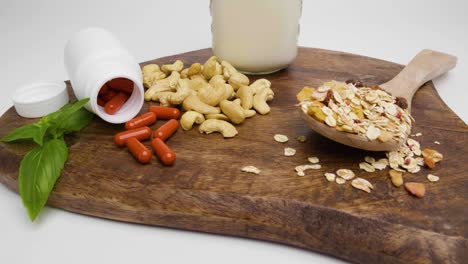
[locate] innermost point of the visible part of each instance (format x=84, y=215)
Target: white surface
x=33, y=35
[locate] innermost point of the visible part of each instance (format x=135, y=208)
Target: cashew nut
x=249, y=113
x=246, y=95
x=260, y=84
x=194, y=69
x=260, y=99
x=237, y=101
x=232, y=110
x=215, y=125
x=228, y=69
x=198, y=83
x=211, y=95
x=229, y=92
x=189, y=118
x=177, y=66
x=170, y=82
x=192, y=102
x=163, y=98
x=197, y=76
x=151, y=73
x=183, y=91
x=236, y=79
x=212, y=68
x=217, y=116
x=184, y=73
x=154, y=89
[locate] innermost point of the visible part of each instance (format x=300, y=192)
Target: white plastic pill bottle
x=93, y=57
x=256, y=36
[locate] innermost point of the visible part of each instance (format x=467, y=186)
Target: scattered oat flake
x=330, y=176
x=372, y=132
x=366, y=166
x=433, y=178
x=381, y=164
x=369, y=159
x=302, y=139
x=288, y=152
x=418, y=134
x=362, y=184
x=437, y=142
x=340, y=180
x=251, y=169
x=345, y=174
x=313, y=160
x=281, y=138
x=302, y=168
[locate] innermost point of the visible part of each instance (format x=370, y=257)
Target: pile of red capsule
x=138, y=130
x=113, y=94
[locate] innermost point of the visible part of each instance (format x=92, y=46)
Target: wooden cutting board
x=206, y=191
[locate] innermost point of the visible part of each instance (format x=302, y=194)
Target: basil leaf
x=39, y=170
x=33, y=131
x=64, y=112
x=75, y=122
x=58, y=121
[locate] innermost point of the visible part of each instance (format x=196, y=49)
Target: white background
x=32, y=38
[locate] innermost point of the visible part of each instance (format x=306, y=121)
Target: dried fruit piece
x=330, y=176
x=431, y=157
x=280, y=138
x=313, y=159
x=433, y=178
x=345, y=174
x=288, y=152
x=305, y=93
x=251, y=169
x=416, y=189
x=362, y=184
x=396, y=177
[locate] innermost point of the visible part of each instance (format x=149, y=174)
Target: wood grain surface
x=206, y=191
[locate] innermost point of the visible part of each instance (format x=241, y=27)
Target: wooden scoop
x=427, y=65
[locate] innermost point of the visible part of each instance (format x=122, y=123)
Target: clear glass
x=256, y=36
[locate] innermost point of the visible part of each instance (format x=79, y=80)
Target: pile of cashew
x=215, y=95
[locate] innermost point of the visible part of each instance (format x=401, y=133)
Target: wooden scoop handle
x=427, y=65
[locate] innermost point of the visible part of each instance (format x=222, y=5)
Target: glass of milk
x=256, y=36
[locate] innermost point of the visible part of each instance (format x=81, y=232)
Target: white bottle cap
x=40, y=98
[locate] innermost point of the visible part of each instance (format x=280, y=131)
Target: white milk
x=256, y=36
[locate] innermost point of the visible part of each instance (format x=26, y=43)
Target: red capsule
x=116, y=103
x=104, y=89
x=121, y=84
x=164, y=153
x=108, y=95
x=165, y=112
x=166, y=130
x=101, y=102
x=140, y=133
x=139, y=151
x=146, y=119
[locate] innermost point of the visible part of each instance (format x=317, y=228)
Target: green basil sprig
x=41, y=167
